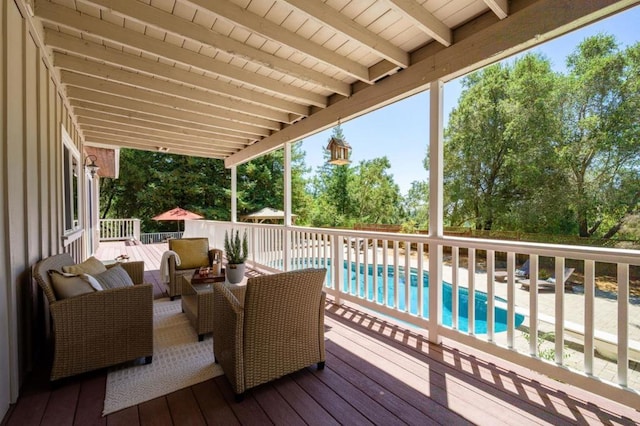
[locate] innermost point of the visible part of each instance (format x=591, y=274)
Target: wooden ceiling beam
x=159, y=124
x=135, y=93
x=69, y=18
x=107, y=142
x=334, y=19
x=254, y=23
x=499, y=7
x=120, y=124
x=109, y=73
x=115, y=129
x=85, y=48
x=163, y=111
x=163, y=21
x=425, y=20
x=154, y=141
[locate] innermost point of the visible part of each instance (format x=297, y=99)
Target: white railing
x=558, y=333
x=158, y=237
x=119, y=229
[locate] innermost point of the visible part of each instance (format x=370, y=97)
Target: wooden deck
x=377, y=373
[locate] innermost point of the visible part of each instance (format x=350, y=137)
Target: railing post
x=337, y=265
x=436, y=203
x=136, y=229
x=286, y=248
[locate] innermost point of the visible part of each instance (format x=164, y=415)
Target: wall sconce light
x=92, y=167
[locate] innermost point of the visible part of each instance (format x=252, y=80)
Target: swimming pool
x=480, y=300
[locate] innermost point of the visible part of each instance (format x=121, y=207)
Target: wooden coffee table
x=197, y=304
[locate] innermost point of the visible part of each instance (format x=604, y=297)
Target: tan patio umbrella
x=178, y=214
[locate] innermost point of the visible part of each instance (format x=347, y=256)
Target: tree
x=261, y=183
x=150, y=183
x=501, y=170
x=416, y=204
x=600, y=143
x=374, y=193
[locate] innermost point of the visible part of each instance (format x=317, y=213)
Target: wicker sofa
x=277, y=329
x=194, y=253
x=98, y=329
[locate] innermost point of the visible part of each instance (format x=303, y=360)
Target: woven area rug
x=179, y=361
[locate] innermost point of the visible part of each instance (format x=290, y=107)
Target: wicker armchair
x=277, y=329
x=99, y=329
x=194, y=253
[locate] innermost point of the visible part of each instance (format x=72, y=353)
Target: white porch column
x=234, y=194
x=287, y=207
x=436, y=229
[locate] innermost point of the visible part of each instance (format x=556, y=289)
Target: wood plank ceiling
x=232, y=79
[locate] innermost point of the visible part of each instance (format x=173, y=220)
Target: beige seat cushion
x=193, y=253
x=66, y=286
x=91, y=266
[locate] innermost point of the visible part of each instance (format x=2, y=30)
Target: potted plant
x=237, y=251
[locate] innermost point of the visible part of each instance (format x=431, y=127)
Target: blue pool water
x=480, y=300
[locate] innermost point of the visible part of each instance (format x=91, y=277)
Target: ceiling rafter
x=163, y=111
x=70, y=18
x=97, y=126
x=69, y=44
x=331, y=17
x=115, y=142
x=91, y=118
x=157, y=121
x=499, y=7
x=424, y=20
x=107, y=72
x=124, y=119
x=272, y=31
x=123, y=90
x=164, y=21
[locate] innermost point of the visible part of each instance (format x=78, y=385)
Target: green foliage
x=531, y=150
x=150, y=183
x=235, y=249
x=261, y=183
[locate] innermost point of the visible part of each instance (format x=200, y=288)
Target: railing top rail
x=600, y=254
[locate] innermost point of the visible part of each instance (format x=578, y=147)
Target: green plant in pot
x=236, y=250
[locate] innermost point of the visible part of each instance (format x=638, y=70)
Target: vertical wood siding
x=32, y=114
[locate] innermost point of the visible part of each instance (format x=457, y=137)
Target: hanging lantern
x=340, y=151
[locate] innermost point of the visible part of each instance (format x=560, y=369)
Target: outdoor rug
x=179, y=361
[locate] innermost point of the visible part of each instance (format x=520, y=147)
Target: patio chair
x=521, y=272
x=549, y=283
x=97, y=329
x=193, y=253
x=277, y=329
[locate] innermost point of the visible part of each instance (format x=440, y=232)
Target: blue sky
x=400, y=131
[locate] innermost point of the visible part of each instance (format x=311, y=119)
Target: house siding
x=32, y=114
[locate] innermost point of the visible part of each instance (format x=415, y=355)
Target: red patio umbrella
x=178, y=214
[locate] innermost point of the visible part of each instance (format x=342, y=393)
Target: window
x=70, y=182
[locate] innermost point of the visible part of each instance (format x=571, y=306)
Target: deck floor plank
x=62, y=403
x=303, y=403
x=248, y=411
x=127, y=417
x=275, y=406
x=90, y=401
x=155, y=413
x=184, y=408
x=340, y=409
x=213, y=406
x=376, y=373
